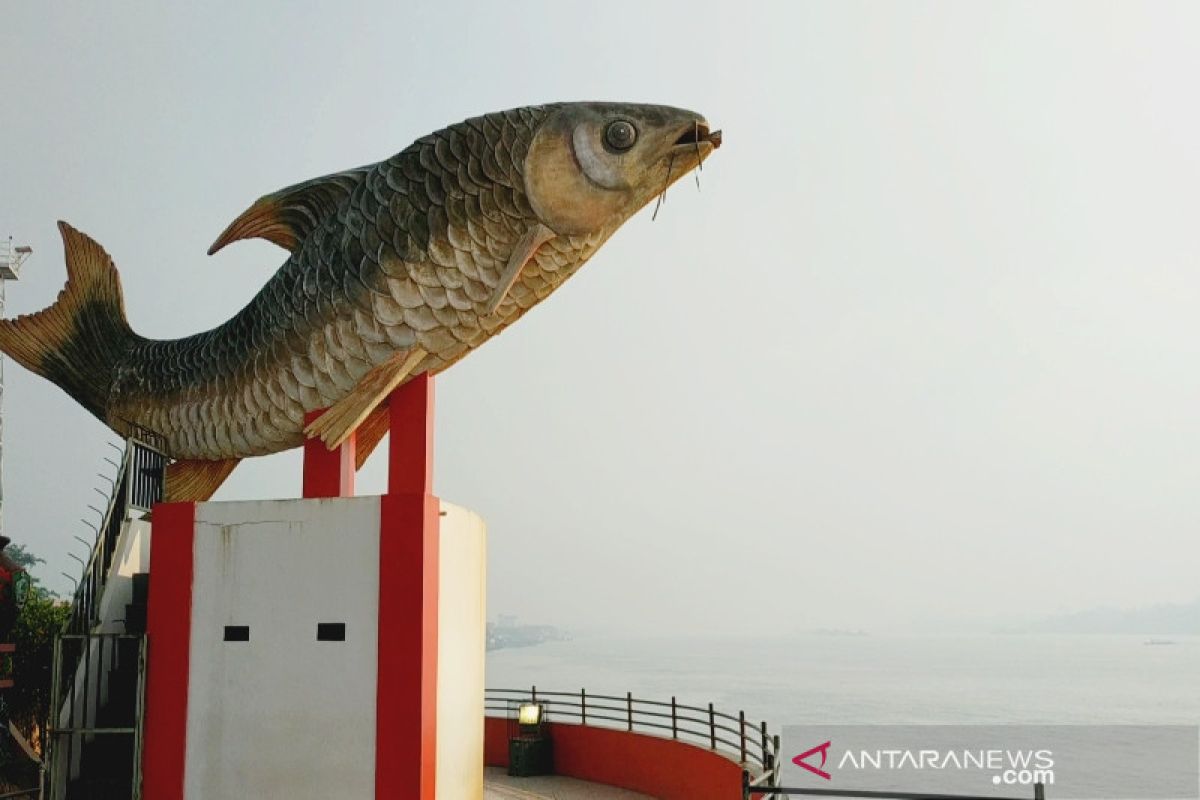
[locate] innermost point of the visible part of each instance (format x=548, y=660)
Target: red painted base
x=168, y=634
x=406, y=691
x=410, y=452
x=328, y=473
x=406, y=705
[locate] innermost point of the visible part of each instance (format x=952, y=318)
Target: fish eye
x=620, y=135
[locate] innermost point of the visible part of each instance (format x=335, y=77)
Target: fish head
x=591, y=166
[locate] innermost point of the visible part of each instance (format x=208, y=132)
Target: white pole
x=7, y=258
x=10, y=261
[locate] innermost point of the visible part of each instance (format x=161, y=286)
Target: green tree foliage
x=23, y=558
x=28, y=701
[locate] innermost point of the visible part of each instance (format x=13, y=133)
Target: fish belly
x=260, y=407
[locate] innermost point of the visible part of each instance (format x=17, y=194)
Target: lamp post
x=11, y=259
x=530, y=751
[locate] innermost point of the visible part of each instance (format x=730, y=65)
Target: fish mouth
x=697, y=133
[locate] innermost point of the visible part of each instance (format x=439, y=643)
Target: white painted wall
x=132, y=555
x=462, y=620
x=284, y=715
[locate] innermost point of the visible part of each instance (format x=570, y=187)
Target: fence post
x=583, y=706
x=742, y=733
x=745, y=785
x=1039, y=791
x=774, y=753
x=533, y=694
x=126, y=473
x=629, y=702
x=134, y=462
x=48, y=738
x=140, y=714
x=674, y=720
x=712, y=727
x=87, y=680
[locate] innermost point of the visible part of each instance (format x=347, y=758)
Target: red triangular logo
x=823, y=749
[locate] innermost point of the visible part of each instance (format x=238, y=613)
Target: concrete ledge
x=663, y=768
x=497, y=785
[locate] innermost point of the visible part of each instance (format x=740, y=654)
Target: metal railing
x=95, y=729
x=750, y=790
x=137, y=486
x=742, y=740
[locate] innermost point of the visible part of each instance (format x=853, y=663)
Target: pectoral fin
x=343, y=417
x=288, y=216
x=371, y=433
x=528, y=244
x=193, y=481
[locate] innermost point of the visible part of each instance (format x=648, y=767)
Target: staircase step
x=135, y=618
x=141, y=588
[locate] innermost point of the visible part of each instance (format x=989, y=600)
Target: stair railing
x=137, y=487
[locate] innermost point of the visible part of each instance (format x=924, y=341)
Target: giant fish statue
x=396, y=269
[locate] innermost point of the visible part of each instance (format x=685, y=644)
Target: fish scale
x=397, y=268
x=427, y=322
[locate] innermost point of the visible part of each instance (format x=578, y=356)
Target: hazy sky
x=924, y=347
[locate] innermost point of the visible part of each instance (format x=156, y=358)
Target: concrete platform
x=497, y=785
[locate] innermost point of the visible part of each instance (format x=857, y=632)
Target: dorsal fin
x=288, y=216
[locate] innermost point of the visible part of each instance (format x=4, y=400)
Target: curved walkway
x=497, y=785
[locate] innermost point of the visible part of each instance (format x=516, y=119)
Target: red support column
x=169, y=633
x=406, y=699
x=328, y=473
x=410, y=453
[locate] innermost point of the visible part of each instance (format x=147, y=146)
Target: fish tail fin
x=78, y=341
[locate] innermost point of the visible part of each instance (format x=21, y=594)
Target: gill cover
x=574, y=184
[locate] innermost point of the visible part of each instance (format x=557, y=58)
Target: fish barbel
x=397, y=268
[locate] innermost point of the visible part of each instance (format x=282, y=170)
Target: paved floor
x=498, y=786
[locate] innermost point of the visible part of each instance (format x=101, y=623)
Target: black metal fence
x=753, y=788
x=749, y=790
x=94, y=731
x=137, y=487
x=745, y=741
x=95, y=727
